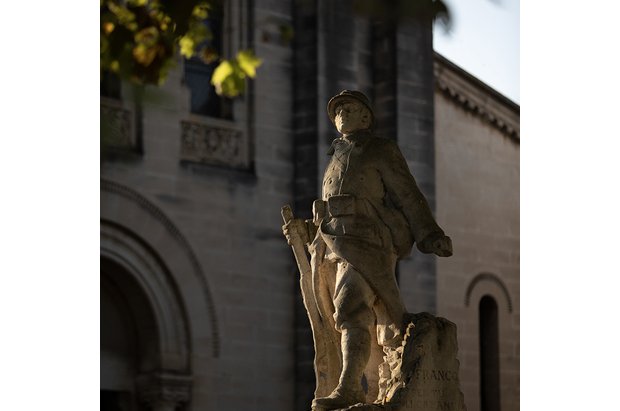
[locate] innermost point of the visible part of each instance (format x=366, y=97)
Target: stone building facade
x=477, y=184
x=200, y=306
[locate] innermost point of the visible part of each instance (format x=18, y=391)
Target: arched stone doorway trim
x=130, y=211
x=488, y=277
x=163, y=379
x=155, y=282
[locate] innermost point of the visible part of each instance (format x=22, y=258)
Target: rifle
x=327, y=360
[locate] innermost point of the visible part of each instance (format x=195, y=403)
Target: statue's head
x=350, y=111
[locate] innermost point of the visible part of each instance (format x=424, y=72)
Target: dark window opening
x=204, y=100
x=489, y=355
x=110, y=85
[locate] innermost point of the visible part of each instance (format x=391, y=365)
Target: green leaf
x=187, y=46
x=201, y=11
x=199, y=32
x=221, y=72
x=228, y=79
x=232, y=86
x=144, y=55
x=124, y=15
x=248, y=62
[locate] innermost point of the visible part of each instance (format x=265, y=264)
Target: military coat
x=375, y=211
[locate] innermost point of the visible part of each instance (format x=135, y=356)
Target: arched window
x=489, y=355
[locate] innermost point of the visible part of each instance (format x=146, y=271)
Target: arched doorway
x=145, y=340
x=128, y=339
x=161, y=264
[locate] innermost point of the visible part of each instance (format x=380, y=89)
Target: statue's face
x=351, y=116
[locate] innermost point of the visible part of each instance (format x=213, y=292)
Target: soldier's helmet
x=348, y=95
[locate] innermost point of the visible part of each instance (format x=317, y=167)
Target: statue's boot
x=355, y=353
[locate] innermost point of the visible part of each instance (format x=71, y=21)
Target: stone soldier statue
x=370, y=215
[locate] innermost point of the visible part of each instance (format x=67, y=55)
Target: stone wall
x=230, y=217
x=477, y=163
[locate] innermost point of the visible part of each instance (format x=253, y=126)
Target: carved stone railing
x=214, y=142
x=117, y=128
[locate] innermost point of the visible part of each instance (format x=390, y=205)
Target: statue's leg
x=328, y=362
x=371, y=372
x=353, y=301
x=389, y=337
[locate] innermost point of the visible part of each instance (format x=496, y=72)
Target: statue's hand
x=438, y=244
x=296, y=228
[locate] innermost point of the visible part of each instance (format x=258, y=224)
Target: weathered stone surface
x=370, y=214
x=429, y=372
x=425, y=370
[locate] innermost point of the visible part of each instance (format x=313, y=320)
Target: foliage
x=139, y=41
x=229, y=77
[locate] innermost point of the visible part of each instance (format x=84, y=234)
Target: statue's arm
x=404, y=193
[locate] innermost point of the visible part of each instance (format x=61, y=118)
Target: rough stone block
x=428, y=375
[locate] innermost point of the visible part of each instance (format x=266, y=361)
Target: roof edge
x=477, y=97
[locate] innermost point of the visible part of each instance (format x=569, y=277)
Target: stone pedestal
x=425, y=371
x=430, y=370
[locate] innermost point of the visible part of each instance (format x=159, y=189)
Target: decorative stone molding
x=116, y=125
x=149, y=289
x=492, y=278
x=161, y=390
x=206, y=143
x=477, y=98
x=158, y=214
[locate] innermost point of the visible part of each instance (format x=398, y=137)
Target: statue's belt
x=342, y=205
x=336, y=206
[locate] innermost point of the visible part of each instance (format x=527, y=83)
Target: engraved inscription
x=433, y=389
x=436, y=375
x=432, y=369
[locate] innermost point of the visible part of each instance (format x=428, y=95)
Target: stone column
x=415, y=124
x=305, y=189
x=384, y=78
